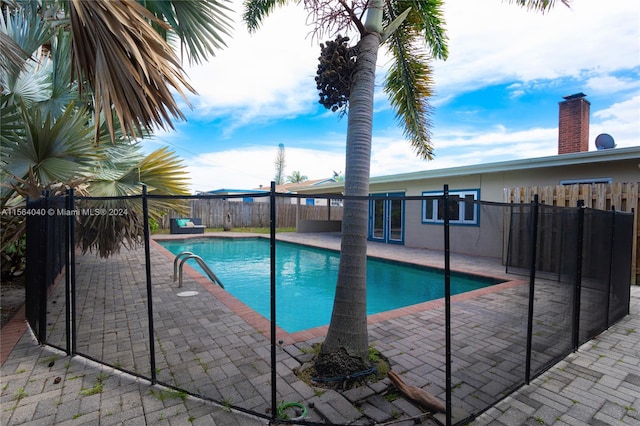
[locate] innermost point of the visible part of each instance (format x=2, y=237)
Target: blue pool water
x=306, y=279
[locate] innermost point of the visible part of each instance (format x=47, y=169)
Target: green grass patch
x=97, y=387
x=169, y=394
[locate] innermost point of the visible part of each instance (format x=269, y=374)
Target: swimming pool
x=306, y=279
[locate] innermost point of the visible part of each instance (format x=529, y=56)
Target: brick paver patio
x=213, y=346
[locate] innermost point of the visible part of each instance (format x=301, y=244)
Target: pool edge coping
x=263, y=325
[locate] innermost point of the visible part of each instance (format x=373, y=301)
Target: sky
x=496, y=96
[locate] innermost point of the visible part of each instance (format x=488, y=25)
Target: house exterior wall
x=483, y=239
x=480, y=239
x=616, y=166
x=492, y=185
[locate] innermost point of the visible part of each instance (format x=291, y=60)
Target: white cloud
x=605, y=83
x=266, y=74
x=497, y=135
x=493, y=41
x=621, y=120
x=392, y=155
x=269, y=76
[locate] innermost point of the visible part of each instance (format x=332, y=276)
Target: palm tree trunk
x=348, y=327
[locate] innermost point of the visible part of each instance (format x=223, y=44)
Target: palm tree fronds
x=163, y=173
x=33, y=84
x=408, y=85
x=539, y=5
x=63, y=90
x=21, y=34
x=200, y=25
x=11, y=55
x=428, y=16
x=105, y=233
x=127, y=64
x=12, y=128
x=54, y=150
x=27, y=29
x=256, y=10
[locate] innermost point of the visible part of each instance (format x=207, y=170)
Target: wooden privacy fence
x=619, y=196
x=213, y=213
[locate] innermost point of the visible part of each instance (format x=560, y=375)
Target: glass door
x=377, y=222
x=386, y=219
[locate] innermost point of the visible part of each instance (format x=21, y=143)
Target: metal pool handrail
x=189, y=255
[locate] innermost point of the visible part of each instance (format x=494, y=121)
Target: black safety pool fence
x=566, y=273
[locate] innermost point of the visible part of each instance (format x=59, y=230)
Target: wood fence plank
x=213, y=213
x=600, y=196
x=560, y=196
x=623, y=196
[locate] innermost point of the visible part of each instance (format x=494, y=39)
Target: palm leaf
x=23, y=33
x=200, y=25
x=163, y=173
x=127, y=64
x=63, y=90
x=257, y=10
x=409, y=83
x=54, y=150
x=11, y=54
x=107, y=233
x=539, y=5
x=33, y=84
x=428, y=17
x=12, y=128
x=25, y=27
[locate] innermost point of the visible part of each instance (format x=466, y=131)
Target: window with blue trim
x=462, y=209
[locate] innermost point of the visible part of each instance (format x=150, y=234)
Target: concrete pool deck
x=217, y=350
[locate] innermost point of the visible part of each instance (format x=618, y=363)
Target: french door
x=386, y=219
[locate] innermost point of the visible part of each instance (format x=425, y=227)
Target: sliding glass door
x=386, y=219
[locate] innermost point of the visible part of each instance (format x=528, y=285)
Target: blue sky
x=496, y=96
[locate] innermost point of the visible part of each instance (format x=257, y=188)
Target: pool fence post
x=578, y=285
x=72, y=272
x=272, y=240
x=507, y=263
x=48, y=262
x=532, y=281
x=67, y=270
x=611, y=258
x=147, y=261
x=447, y=304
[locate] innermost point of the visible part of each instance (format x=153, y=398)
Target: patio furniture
x=186, y=226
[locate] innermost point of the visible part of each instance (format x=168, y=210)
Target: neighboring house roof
x=223, y=191
x=284, y=188
x=589, y=157
x=294, y=187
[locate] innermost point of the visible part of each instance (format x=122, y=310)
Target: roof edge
x=616, y=154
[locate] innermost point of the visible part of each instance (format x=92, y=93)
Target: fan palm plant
x=414, y=34
x=120, y=52
x=118, y=84
x=122, y=175
x=43, y=154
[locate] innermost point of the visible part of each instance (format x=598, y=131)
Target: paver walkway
x=213, y=346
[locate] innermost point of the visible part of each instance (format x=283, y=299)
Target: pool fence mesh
x=566, y=273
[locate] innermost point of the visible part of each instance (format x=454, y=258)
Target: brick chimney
x=573, y=124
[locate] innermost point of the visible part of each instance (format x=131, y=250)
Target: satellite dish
x=604, y=141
